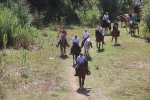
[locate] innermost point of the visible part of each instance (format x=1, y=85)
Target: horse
x=86, y=46
x=99, y=39
x=106, y=25
x=115, y=33
x=133, y=26
x=124, y=19
x=137, y=10
x=63, y=44
x=75, y=51
x=81, y=72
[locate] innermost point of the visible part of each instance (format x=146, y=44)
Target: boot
x=58, y=43
x=88, y=71
x=75, y=73
x=91, y=45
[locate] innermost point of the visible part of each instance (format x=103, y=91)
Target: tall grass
x=15, y=22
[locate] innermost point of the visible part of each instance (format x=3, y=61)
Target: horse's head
x=114, y=27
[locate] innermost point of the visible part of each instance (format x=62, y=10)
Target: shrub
x=90, y=16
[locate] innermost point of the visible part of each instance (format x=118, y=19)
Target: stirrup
x=88, y=73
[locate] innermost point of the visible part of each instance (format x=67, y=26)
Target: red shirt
x=63, y=32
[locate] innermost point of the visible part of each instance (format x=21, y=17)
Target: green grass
x=122, y=74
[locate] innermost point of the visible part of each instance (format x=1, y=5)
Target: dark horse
x=82, y=70
x=115, y=33
x=106, y=25
x=99, y=39
x=133, y=26
x=75, y=51
x=63, y=44
x=137, y=10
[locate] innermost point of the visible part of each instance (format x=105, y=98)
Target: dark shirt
x=130, y=15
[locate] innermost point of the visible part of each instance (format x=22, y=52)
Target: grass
x=118, y=72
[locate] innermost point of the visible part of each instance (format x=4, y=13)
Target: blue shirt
x=134, y=18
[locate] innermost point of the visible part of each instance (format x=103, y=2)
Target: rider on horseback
x=75, y=40
x=63, y=35
x=106, y=17
x=133, y=19
x=85, y=36
x=80, y=60
x=116, y=24
x=100, y=29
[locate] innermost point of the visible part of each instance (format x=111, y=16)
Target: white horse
x=87, y=45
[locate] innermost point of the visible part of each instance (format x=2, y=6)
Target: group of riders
x=75, y=40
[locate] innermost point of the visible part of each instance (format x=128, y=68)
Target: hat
x=81, y=53
x=86, y=29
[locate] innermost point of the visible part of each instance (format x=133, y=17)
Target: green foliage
x=89, y=16
x=146, y=17
x=115, y=7
x=15, y=22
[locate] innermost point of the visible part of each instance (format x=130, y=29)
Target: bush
x=90, y=16
x=15, y=22
x=146, y=18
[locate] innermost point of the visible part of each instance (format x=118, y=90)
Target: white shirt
x=80, y=59
x=105, y=17
x=100, y=29
x=86, y=34
x=138, y=3
x=75, y=40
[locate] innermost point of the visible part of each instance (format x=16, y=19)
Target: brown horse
x=133, y=26
x=99, y=39
x=75, y=51
x=124, y=19
x=81, y=72
x=106, y=25
x=115, y=33
x=137, y=10
x=63, y=44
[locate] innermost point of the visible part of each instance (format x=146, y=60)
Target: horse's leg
x=83, y=82
x=102, y=45
x=80, y=82
x=112, y=39
x=99, y=45
x=115, y=40
x=73, y=58
x=138, y=31
x=64, y=50
x=96, y=45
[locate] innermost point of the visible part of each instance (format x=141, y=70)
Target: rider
x=63, y=32
x=76, y=40
x=116, y=24
x=100, y=29
x=133, y=19
x=138, y=3
x=85, y=36
x=106, y=17
x=80, y=60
